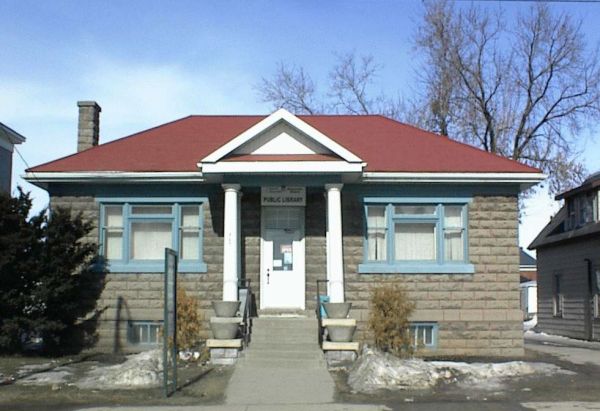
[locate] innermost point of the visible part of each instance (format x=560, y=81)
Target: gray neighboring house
x=528, y=285
x=8, y=139
x=568, y=257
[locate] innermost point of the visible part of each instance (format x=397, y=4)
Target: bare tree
x=350, y=89
x=349, y=82
x=524, y=91
x=292, y=89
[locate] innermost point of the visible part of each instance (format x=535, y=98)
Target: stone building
x=568, y=260
x=284, y=201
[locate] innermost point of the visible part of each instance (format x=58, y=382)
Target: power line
x=532, y=1
x=26, y=164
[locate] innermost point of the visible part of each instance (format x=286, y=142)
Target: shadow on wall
x=120, y=319
x=84, y=333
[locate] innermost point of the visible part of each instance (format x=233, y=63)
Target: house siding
x=567, y=259
x=477, y=314
x=5, y=170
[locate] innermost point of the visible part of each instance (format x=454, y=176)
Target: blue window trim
x=127, y=265
x=434, y=332
x=437, y=266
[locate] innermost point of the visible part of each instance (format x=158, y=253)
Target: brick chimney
x=88, y=128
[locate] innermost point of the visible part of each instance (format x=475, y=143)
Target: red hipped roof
x=384, y=144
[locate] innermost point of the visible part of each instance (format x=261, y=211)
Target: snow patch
x=33, y=368
x=375, y=370
x=143, y=370
x=60, y=375
x=528, y=325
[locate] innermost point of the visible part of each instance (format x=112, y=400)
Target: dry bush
x=388, y=319
x=188, y=320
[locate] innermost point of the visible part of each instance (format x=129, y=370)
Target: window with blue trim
x=412, y=237
x=424, y=335
x=134, y=235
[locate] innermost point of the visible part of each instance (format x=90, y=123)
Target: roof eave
x=524, y=180
x=581, y=189
x=280, y=167
x=13, y=136
x=42, y=179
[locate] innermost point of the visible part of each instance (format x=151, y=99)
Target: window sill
x=182, y=267
x=424, y=268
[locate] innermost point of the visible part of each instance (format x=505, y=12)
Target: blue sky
x=149, y=62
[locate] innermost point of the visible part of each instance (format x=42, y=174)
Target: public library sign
x=283, y=196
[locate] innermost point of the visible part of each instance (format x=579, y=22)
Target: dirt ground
x=197, y=383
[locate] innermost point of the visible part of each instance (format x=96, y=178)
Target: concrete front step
x=284, y=338
x=285, y=326
x=286, y=313
x=256, y=330
x=282, y=365
x=274, y=346
x=301, y=364
x=284, y=354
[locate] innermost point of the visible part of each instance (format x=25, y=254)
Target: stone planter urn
x=341, y=333
x=226, y=308
x=337, y=310
x=224, y=328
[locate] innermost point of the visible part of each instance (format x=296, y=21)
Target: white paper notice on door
x=277, y=263
x=286, y=251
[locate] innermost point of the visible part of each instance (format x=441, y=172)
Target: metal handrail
x=320, y=329
x=246, y=311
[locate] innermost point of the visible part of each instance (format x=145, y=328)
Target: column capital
x=334, y=187
x=231, y=187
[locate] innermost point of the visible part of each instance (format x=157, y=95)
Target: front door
x=282, y=279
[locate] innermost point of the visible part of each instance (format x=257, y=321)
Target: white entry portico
x=280, y=147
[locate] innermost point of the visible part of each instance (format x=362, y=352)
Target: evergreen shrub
x=50, y=278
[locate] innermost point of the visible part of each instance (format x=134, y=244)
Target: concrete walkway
x=567, y=349
x=283, y=366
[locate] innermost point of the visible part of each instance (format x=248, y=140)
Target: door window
x=282, y=226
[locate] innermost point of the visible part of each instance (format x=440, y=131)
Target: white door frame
x=297, y=291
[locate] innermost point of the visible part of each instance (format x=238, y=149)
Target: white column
x=231, y=242
x=335, y=266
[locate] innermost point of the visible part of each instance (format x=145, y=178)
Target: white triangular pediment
x=281, y=139
x=284, y=143
x=281, y=133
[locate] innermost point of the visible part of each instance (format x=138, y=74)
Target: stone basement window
x=416, y=238
x=133, y=236
x=144, y=332
x=424, y=335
